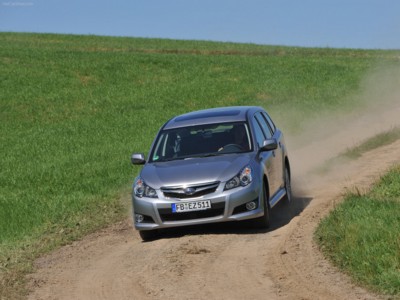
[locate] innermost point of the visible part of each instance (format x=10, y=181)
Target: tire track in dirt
x=302, y=271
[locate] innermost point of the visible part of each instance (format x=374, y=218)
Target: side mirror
x=138, y=159
x=269, y=145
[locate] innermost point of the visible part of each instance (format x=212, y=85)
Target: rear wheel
x=288, y=186
x=148, y=235
x=264, y=221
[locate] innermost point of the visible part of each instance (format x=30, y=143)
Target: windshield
x=201, y=141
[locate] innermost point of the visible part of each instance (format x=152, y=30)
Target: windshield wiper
x=204, y=155
x=189, y=157
x=171, y=159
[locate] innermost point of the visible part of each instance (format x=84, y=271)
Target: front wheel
x=148, y=235
x=263, y=222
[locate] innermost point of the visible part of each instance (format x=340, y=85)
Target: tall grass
x=362, y=235
x=73, y=109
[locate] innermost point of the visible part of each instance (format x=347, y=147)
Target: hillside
x=73, y=109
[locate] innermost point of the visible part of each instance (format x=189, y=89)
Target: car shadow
x=283, y=212
x=281, y=215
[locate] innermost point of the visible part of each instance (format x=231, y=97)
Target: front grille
x=192, y=191
x=217, y=209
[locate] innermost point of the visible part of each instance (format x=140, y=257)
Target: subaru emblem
x=189, y=191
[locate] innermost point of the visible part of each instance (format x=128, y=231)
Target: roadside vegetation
x=73, y=109
x=362, y=235
x=379, y=140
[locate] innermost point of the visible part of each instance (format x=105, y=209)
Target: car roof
x=212, y=116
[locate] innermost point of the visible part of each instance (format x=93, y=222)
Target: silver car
x=208, y=166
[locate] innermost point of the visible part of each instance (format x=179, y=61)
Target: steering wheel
x=231, y=147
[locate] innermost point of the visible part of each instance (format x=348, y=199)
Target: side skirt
x=277, y=197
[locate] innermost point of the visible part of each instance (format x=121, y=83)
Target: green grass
x=362, y=236
x=73, y=109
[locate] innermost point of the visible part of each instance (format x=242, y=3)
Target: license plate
x=191, y=206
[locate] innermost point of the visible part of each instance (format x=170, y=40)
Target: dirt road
x=225, y=261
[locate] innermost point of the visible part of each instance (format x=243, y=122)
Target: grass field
x=362, y=235
x=73, y=109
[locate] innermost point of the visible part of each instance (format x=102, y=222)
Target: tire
x=148, y=235
x=264, y=221
x=288, y=186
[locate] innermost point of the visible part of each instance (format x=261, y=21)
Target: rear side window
x=270, y=123
x=264, y=125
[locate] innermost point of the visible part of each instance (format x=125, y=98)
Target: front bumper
x=225, y=206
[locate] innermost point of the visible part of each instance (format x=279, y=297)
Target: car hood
x=194, y=170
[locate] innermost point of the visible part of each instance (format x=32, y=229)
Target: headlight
x=141, y=189
x=242, y=179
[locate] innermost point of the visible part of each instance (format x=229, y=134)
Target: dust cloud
x=330, y=134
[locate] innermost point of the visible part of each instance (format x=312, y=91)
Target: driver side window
x=258, y=133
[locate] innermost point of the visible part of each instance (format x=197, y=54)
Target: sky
x=367, y=24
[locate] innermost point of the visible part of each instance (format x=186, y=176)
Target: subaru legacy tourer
x=209, y=166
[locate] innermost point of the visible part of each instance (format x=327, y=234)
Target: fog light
x=139, y=218
x=251, y=205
